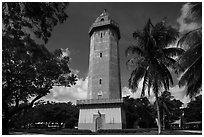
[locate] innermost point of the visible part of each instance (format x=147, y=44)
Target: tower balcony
x=99, y=101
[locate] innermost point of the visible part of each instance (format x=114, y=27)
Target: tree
x=29, y=70
x=170, y=108
x=60, y=113
x=146, y=112
x=64, y=114
x=151, y=59
x=191, y=61
x=130, y=110
x=193, y=111
x=139, y=111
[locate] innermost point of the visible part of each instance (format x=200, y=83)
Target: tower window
x=100, y=81
x=100, y=55
x=101, y=35
x=100, y=94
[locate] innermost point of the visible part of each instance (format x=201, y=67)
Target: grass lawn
x=77, y=132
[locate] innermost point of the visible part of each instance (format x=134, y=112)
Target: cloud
x=65, y=52
x=186, y=21
x=65, y=94
x=178, y=93
x=128, y=92
x=75, y=71
x=79, y=91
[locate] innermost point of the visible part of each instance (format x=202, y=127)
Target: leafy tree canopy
x=139, y=112
x=64, y=114
x=193, y=111
x=170, y=108
x=29, y=70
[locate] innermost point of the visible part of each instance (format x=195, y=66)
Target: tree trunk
x=158, y=115
x=60, y=125
x=7, y=114
x=163, y=120
x=5, y=119
x=5, y=126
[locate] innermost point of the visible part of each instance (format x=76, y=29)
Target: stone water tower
x=103, y=108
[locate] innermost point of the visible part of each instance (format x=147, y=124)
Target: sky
x=131, y=16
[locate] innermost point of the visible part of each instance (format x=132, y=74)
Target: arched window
x=102, y=19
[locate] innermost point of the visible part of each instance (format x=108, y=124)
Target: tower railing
x=99, y=101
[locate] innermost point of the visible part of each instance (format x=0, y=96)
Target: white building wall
x=112, y=115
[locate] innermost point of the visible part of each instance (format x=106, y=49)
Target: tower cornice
x=102, y=21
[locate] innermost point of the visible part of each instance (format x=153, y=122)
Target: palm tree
x=169, y=107
x=191, y=61
x=151, y=57
x=164, y=104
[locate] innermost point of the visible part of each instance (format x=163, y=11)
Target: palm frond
x=194, y=89
x=134, y=50
x=149, y=86
x=172, y=52
x=188, y=36
x=136, y=62
x=189, y=57
x=145, y=83
x=166, y=76
x=164, y=35
x=170, y=63
x=192, y=73
x=155, y=87
x=138, y=35
x=135, y=77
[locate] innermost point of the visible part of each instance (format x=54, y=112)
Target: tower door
x=99, y=122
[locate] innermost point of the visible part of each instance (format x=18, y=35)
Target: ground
x=64, y=132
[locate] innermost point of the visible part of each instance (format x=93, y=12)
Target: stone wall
x=104, y=65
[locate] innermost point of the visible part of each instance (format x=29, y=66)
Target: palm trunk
x=163, y=120
x=158, y=115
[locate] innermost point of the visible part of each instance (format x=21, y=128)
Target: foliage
x=36, y=17
x=170, y=108
x=193, y=112
x=61, y=113
x=29, y=70
x=139, y=111
x=152, y=57
x=191, y=61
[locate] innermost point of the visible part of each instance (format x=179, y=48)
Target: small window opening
x=101, y=35
x=100, y=81
x=100, y=94
x=102, y=19
x=100, y=55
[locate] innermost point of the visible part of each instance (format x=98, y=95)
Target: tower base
x=101, y=114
